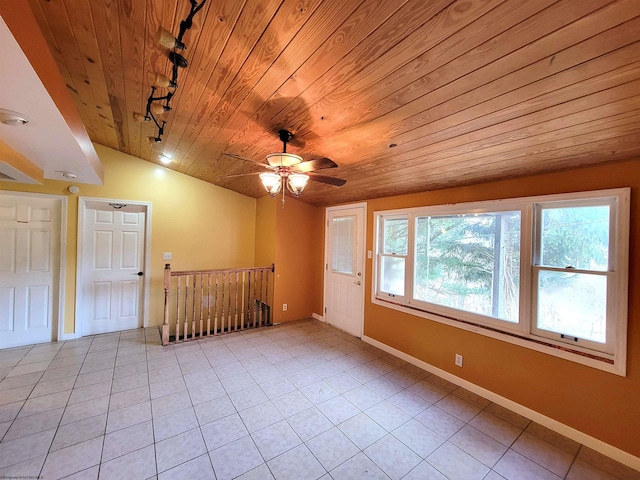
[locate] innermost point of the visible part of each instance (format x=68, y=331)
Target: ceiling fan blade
x=338, y=182
x=264, y=165
x=317, y=164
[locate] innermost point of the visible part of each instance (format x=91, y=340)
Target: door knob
x=357, y=283
x=140, y=274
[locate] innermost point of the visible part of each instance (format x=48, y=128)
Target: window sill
x=600, y=361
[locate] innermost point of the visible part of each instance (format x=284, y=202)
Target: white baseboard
x=580, y=437
x=317, y=317
x=68, y=336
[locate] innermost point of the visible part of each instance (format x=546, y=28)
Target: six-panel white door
x=344, y=268
x=113, y=245
x=29, y=269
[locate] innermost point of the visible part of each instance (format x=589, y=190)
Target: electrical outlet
x=167, y=255
x=458, y=359
x=284, y=307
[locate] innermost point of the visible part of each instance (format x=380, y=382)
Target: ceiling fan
x=289, y=169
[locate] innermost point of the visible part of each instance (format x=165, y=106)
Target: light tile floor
x=292, y=402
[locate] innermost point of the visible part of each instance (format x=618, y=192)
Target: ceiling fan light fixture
x=296, y=183
x=283, y=159
x=272, y=182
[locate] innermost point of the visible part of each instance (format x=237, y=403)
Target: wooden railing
x=200, y=303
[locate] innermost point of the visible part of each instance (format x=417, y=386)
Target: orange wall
x=266, y=215
x=597, y=403
x=298, y=258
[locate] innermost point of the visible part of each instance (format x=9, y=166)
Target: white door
x=112, y=262
x=29, y=269
x=344, y=268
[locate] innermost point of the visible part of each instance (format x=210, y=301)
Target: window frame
x=463, y=314
x=525, y=333
x=380, y=255
x=608, y=274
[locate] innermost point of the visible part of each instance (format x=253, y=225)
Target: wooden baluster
x=260, y=297
x=215, y=305
x=235, y=313
x=208, y=304
x=242, y=301
x=178, y=310
x=193, y=309
x=200, y=278
x=165, y=320
x=254, y=298
x=186, y=309
x=250, y=300
x=222, y=317
x=266, y=300
x=229, y=315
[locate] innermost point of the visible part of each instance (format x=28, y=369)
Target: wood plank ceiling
x=405, y=95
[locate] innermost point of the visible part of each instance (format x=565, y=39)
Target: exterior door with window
x=112, y=262
x=344, y=268
x=29, y=269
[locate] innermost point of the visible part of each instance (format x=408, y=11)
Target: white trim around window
x=547, y=273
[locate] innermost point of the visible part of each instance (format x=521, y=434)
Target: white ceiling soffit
x=9, y=173
x=46, y=140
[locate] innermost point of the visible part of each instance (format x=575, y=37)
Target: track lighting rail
x=167, y=40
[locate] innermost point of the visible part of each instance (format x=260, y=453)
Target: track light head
x=163, y=81
x=167, y=40
x=140, y=117
x=158, y=109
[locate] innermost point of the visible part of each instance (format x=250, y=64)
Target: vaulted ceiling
x=405, y=95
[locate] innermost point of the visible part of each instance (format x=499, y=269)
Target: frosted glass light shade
x=272, y=183
x=158, y=109
x=163, y=81
x=297, y=182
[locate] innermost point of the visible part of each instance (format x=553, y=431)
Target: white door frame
x=327, y=241
x=62, y=256
x=83, y=203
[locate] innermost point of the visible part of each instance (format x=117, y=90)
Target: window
x=393, y=257
x=572, y=271
x=469, y=262
x=548, y=272
x=343, y=259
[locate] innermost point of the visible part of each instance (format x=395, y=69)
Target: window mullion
x=527, y=296
x=409, y=261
